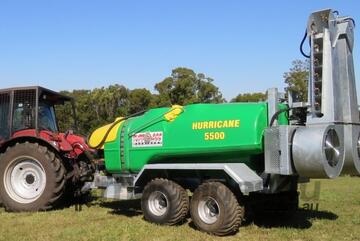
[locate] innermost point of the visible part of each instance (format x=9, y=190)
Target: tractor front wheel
x=32, y=178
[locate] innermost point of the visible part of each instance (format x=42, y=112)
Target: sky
x=245, y=46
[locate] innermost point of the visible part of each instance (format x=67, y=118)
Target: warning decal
x=146, y=139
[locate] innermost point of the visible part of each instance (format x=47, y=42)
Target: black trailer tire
x=164, y=202
x=215, y=210
x=32, y=178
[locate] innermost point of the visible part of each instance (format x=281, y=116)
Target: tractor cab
x=28, y=110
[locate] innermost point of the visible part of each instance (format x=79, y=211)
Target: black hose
x=305, y=35
x=351, y=19
x=276, y=115
x=302, y=45
x=110, y=128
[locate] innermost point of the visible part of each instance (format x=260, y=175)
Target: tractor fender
x=33, y=139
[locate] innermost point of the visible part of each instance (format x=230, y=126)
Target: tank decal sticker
x=146, y=139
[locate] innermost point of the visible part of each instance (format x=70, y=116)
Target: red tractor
x=40, y=167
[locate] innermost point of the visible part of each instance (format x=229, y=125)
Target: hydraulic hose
x=350, y=19
x=302, y=45
x=276, y=115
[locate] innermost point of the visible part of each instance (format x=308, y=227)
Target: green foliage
x=100, y=106
x=184, y=87
x=297, y=78
x=93, y=108
x=140, y=100
x=64, y=115
x=110, y=102
x=250, y=97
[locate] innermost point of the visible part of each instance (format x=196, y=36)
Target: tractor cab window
x=47, y=119
x=23, y=117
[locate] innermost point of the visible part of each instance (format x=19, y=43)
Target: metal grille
x=4, y=116
x=278, y=150
x=24, y=111
x=272, y=150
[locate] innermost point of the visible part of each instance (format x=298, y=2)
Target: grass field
x=337, y=218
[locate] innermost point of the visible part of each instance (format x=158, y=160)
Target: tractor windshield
x=47, y=119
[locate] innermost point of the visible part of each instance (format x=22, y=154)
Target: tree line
x=184, y=86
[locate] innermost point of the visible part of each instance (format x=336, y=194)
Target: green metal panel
x=112, y=154
x=202, y=133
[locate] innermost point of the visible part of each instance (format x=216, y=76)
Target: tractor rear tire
x=215, y=210
x=32, y=178
x=164, y=202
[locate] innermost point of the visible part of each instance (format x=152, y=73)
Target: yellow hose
x=108, y=133
x=96, y=139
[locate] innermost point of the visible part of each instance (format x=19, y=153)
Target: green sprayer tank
x=234, y=156
x=197, y=133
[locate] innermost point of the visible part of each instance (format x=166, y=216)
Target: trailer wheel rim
x=158, y=203
x=25, y=179
x=209, y=210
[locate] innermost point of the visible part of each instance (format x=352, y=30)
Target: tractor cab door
x=32, y=113
x=47, y=119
